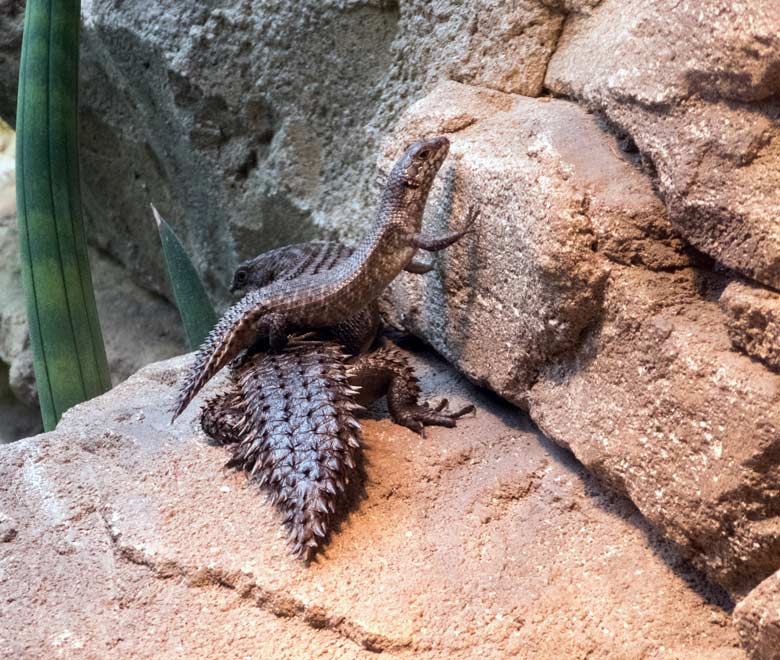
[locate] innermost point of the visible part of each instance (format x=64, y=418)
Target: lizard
x=290, y=416
x=328, y=297
x=311, y=258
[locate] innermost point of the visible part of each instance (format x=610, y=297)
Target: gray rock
x=757, y=618
x=133, y=540
x=574, y=300
x=139, y=327
x=692, y=85
x=14, y=337
x=753, y=319
x=11, y=19
x=253, y=124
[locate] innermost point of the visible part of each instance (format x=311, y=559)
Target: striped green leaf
x=69, y=354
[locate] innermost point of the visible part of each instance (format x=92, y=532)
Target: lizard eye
x=241, y=276
x=423, y=155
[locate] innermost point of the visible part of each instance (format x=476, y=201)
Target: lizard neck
x=388, y=247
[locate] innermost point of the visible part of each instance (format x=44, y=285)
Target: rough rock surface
x=574, y=299
x=695, y=87
x=551, y=189
x=757, y=618
x=253, y=123
x=139, y=327
x=659, y=406
x=753, y=319
x=123, y=536
x=11, y=18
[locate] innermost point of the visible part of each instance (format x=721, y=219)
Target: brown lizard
x=326, y=298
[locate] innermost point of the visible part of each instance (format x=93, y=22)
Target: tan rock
x=659, y=406
x=123, y=536
x=557, y=205
x=753, y=319
x=757, y=618
x=629, y=367
x=692, y=84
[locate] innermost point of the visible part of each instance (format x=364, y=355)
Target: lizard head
x=254, y=273
x=417, y=168
x=240, y=278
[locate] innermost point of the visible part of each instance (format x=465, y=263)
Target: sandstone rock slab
x=617, y=347
x=557, y=205
x=658, y=404
x=694, y=85
x=757, y=618
x=125, y=536
x=753, y=319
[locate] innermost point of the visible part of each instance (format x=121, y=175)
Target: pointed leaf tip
x=157, y=217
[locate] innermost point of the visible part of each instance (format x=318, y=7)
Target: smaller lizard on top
x=329, y=297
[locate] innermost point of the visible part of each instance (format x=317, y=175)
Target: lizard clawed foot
x=417, y=417
x=434, y=244
x=471, y=217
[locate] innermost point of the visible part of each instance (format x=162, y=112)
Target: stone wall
x=256, y=123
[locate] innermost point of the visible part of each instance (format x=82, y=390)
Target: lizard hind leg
x=388, y=372
x=223, y=417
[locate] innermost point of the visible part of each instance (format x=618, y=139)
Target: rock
x=11, y=19
x=19, y=420
x=757, y=618
x=139, y=327
x=658, y=405
x=753, y=319
x=7, y=148
x=575, y=300
x=133, y=540
x=14, y=337
x=557, y=205
x=255, y=124
x=8, y=529
x=693, y=86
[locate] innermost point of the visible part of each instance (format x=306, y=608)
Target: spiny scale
x=300, y=439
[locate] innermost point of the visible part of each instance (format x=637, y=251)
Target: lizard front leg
x=434, y=244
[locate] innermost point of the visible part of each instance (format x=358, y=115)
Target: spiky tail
x=236, y=330
x=298, y=437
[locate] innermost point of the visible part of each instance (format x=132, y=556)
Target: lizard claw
x=417, y=417
x=471, y=217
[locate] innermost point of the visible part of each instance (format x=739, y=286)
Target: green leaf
x=196, y=311
x=68, y=350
